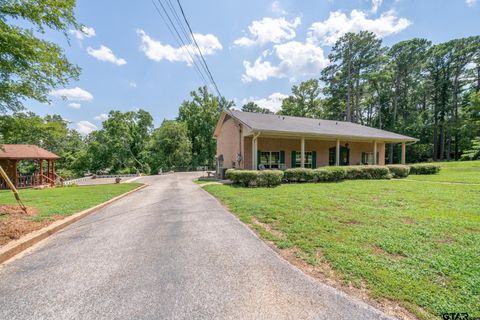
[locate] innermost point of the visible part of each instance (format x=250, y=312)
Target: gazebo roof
x=25, y=152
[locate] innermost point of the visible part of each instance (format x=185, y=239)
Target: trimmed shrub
x=270, y=178
x=399, y=170
x=252, y=178
x=245, y=178
x=335, y=173
x=300, y=175
x=354, y=172
x=424, y=168
x=366, y=172
x=321, y=175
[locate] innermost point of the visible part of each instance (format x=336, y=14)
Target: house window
x=270, y=159
x=367, y=158
x=308, y=159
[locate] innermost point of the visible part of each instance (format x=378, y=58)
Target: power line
x=198, y=48
x=182, y=44
x=186, y=34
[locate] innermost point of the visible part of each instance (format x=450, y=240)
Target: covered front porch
x=283, y=152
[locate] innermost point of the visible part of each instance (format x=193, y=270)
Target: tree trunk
x=478, y=77
x=449, y=144
x=348, y=115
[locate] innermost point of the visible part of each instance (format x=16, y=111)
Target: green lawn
x=68, y=200
x=458, y=172
x=414, y=242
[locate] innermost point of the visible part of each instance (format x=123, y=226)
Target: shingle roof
x=25, y=151
x=296, y=125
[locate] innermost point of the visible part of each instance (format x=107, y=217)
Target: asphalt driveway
x=168, y=251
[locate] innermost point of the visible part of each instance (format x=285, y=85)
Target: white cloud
x=132, y=84
x=74, y=94
x=276, y=7
x=338, y=23
x=296, y=60
x=375, y=5
x=74, y=105
x=273, y=102
x=269, y=30
x=84, y=32
x=106, y=54
x=101, y=117
x=470, y=3
x=156, y=51
x=85, y=127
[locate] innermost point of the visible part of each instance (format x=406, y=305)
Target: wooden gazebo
x=12, y=154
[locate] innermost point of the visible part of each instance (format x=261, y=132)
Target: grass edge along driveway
x=414, y=243
x=66, y=201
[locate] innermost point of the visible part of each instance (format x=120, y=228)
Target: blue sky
x=256, y=49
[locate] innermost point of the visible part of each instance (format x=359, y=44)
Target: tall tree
x=353, y=58
x=200, y=114
x=253, y=107
x=123, y=140
x=29, y=66
x=304, y=101
x=404, y=70
x=170, y=147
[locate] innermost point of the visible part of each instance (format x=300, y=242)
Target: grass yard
x=457, y=172
x=413, y=242
x=68, y=200
x=48, y=205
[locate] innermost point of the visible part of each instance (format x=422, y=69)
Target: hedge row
x=270, y=178
x=424, y=168
x=251, y=178
x=399, y=170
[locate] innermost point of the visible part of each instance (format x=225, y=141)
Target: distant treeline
x=431, y=92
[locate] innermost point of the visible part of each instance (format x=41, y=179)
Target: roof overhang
x=310, y=135
x=329, y=137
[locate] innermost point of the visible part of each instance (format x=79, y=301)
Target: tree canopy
x=424, y=90
x=29, y=66
x=253, y=107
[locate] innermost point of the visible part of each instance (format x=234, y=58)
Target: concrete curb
x=15, y=247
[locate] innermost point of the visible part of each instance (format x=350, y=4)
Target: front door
x=344, y=156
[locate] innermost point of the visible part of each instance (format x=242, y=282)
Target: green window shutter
x=259, y=155
x=294, y=159
x=363, y=158
x=314, y=159
x=377, y=158
x=282, y=157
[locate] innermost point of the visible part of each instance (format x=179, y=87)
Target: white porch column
x=337, y=153
x=404, y=147
x=254, y=153
x=375, y=160
x=302, y=153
